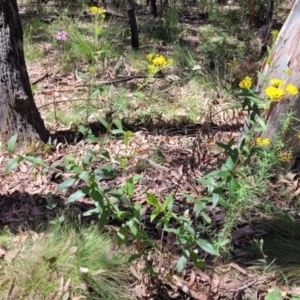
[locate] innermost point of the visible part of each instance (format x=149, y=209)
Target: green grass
x=35, y=265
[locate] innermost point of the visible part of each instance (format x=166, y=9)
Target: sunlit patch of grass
x=35, y=31
x=67, y=260
x=83, y=45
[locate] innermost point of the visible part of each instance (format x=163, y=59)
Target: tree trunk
x=285, y=56
x=133, y=24
x=270, y=9
x=154, y=8
x=18, y=112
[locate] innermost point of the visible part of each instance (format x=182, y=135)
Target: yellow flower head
x=152, y=69
x=262, y=142
x=149, y=57
x=291, y=89
x=274, y=34
x=98, y=11
x=274, y=93
x=170, y=61
x=159, y=61
x=246, y=83
x=285, y=156
x=298, y=135
x=277, y=82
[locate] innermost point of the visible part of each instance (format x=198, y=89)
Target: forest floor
x=176, y=120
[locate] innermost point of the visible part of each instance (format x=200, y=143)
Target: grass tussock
x=65, y=262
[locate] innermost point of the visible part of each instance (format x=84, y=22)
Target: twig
x=243, y=287
x=41, y=78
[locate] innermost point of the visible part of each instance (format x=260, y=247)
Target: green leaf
x=103, y=122
x=262, y=76
x=229, y=164
x=104, y=153
x=181, y=263
x=262, y=123
x=231, y=185
x=154, y=214
x=207, y=247
x=104, y=217
x=151, y=199
x=67, y=183
x=75, y=196
x=12, y=143
x=83, y=76
x=139, y=94
x=12, y=164
x=35, y=160
x=134, y=257
x=119, y=125
x=275, y=294
x=121, y=235
x=168, y=203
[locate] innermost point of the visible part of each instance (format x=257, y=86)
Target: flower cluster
x=246, y=83
x=278, y=90
x=157, y=62
x=98, y=11
x=274, y=34
x=62, y=36
x=262, y=142
x=285, y=156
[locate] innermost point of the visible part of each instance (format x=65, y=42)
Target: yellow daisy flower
x=277, y=82
x=262, y=142
x=274, y=93
x=246, y=83
x=291, y=89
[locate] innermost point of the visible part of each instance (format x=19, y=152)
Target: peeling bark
x=285, y=55
x=18, y=112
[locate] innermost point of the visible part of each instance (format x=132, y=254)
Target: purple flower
x=62, y=36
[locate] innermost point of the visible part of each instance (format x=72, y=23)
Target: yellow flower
x=291, y=89
x=274, y=33
x=262, y=142
x=274, y=93
x=152, y=69
x=298, y=135
x=98, y=11
x=285, y=156
x=170, y=61
x=246, y=83
x=159, y=61
x=276, y=82
x=149, y=57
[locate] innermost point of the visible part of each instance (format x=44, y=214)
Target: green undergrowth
x=67, y=261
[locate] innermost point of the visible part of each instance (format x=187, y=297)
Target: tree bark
x=285, y=56
x=18, y=112
x=135, y=43
x=154, y=8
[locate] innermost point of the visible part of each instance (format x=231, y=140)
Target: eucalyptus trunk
x=285, y=55
x=18, y=112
